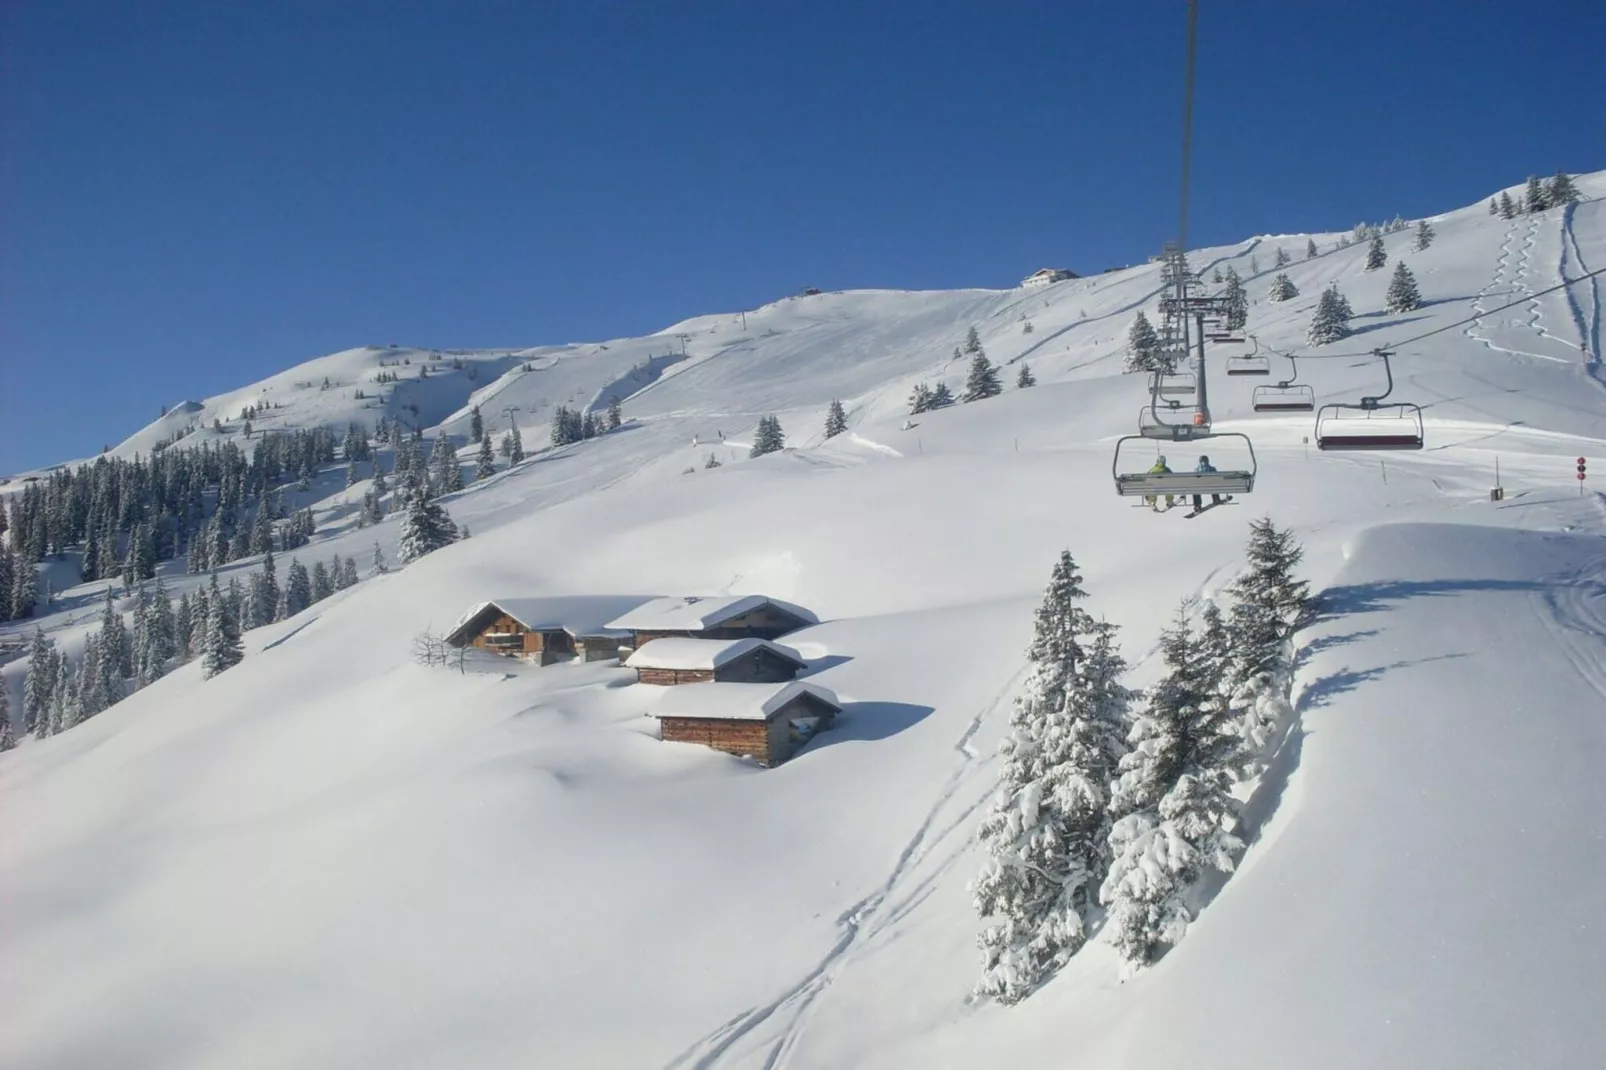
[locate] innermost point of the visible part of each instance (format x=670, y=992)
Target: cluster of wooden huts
x=748, y=699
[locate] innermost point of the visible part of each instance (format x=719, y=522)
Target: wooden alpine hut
x=763, y=721
x=696, y=661
x=545, y=630
x=750, y=616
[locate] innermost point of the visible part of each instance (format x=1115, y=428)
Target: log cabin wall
x=733, y=737
x=675, y=676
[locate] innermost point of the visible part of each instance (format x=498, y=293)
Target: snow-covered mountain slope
x=330, y=856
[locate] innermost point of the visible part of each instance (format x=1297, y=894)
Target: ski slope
x=330, y=856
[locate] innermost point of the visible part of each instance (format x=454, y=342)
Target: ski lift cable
x=1562, y=285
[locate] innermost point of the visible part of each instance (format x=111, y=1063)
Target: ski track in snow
x=1508, y=278
x=1588, y=327
x=1574, y=611
x=862, y=921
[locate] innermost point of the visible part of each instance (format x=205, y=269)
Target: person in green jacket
x=1152, y=500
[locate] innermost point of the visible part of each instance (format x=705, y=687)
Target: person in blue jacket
x=1204, y=465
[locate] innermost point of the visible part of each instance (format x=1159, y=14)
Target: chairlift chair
x=1171, y=422
x=1176, y=385
x=1286, y=396
x=1371, y=424
x=1148, y=484
x=1249, y=364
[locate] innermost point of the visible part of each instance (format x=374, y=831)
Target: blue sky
x=195, y=195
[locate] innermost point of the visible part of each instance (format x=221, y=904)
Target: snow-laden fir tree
x=1282, y=289
x=1173, y=799
x=1282, y=258
x=1310, y=249
x=516, y=454
x=40, y=684
x=1494, y=208
x=184, y=624
x=139, y=564
x=1402, y=294
x=919, y=399
x=160, y=642
x=476, y=424
x=485, y=462
x=1536, y=198
x=7, y=739
x=348, y=573
x=768, y=438
x=297, y=592
x=1237, y=302
x=351, y=472
x=1561, y=190
x=24, y=588
x=1330, y=322
x=941, y=396
x=836, y=420
x=379, y=565
x=1376, y=255
x=1047, y=829
x=1270, y=604
x=222, y=650
x=117, y=645
x=616, y=414
x=323, y=585
x=982, y=382
x=1508, y=208
x=972, y=342
x=1142, y=346
x=1424, y=235
x=1025, y=378
x=425, y=528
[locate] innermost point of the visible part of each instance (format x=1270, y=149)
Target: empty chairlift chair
x=1177, y=385
x=1371, y=423
x=1286, y=396
x=1248, y=364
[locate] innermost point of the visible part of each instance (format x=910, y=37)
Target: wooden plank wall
x=732, y=737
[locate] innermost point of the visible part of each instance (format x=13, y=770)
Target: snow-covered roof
x=579, y=615
x=676, y=653
x=736, y=702
x=694, y=614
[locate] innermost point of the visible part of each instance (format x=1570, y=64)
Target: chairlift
x=1171, y=422
x=1371, y=424
x=1235, y=480
x=1286, y=396
x=1248, y=364
x=1176, y=385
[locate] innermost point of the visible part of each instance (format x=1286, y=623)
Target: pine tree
x=1173, y=801
x=836, y=420
x=116, y=645
x=24, y=588
x=1310, y=249
x=982, y=382
x=1376, y=255
x=266, y=595
x=297, y=592
x=1494, y=209
x=1025, y=378
x=516, y=454
x=712, y=462
x=972, y=342
x=1282, y=258
x=1402, y=294
x=348, y=573
x=184, y=625
x=1562, y=190
x=1536, y=198
x=1508, y=209
x=379, y=564
x=138, y=563
x=920, y=399
x=1330, y=323
x=942, y=397
x=616, y=414
x=323, y=585
x=1046, y=833
x=476, y=424
x=485, y=465
x=40, y=684
x=66, y=708
x=222, y=650
x=351, y=472
x=161, y=635
x=1143, y=346
x=1237, y=302
x=769, y=437
x=1424, y=235
x=425, y=528
x=1282, y=289
x=7, y=740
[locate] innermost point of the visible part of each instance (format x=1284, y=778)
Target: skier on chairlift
x=1204, y=465
x=1152, y=500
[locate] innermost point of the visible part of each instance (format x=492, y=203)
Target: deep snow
x=332, y=857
